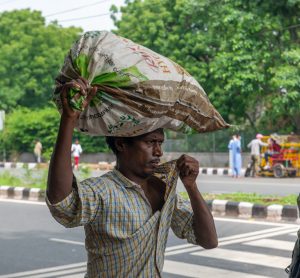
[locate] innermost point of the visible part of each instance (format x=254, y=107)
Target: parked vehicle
x=286, y=162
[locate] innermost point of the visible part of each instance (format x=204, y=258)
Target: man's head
x=259, y=136
x=76, y=141
x=140, y=155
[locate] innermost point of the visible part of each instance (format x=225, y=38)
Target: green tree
x=237, y=50
x=31, y=54
x=24, y=125
x=284, y=106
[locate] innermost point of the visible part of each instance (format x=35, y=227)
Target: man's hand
x=204, y=227
x=188, y=171
x=60, y=175
x=84, y=89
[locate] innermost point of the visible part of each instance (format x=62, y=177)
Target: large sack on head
x=138, y=89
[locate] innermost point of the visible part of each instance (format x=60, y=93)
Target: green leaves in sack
x=75, y=99
x=117, y=79
x=81, y=64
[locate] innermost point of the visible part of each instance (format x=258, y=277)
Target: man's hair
x=110, y=141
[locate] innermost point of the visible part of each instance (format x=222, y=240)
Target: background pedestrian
x=230, y=153
x=255, y=145
x=236, y=156
x=76, y=151
x=38, y=151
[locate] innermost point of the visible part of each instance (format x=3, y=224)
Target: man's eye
x=153, y=142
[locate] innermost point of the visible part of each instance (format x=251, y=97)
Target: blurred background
x=245, y=54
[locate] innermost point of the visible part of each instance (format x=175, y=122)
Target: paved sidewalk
x=219, y=171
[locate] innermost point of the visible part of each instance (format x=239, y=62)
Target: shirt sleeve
x=81, y=206
x=183, y=220
x=263, y=144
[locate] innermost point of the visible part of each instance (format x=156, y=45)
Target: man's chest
x=155, y=197
x=126, y=211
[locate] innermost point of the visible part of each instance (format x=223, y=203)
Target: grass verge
x=30, y=180
x=251, y=198
x=36, y=178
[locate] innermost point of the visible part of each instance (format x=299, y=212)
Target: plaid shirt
x=124, y=238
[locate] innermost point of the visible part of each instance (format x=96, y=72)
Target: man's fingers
x=186, y=171
x=187, y=160
x=83, y=85
x=91, y=94
x=83, y=80
x=187, y=166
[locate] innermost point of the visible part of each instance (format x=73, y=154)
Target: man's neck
x=142, y=181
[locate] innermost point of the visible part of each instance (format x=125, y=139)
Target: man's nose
x=157, y=150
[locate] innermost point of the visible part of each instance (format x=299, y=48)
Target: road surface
x=33, y=245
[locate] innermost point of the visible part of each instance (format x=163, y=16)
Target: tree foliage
x=242, y=52
x=31, y=54
x=24, y=125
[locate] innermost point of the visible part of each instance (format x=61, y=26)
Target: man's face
x=143, y=153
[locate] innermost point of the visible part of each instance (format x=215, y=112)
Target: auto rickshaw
x=283, y=163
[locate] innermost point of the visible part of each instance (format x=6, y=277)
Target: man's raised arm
x=60, y=174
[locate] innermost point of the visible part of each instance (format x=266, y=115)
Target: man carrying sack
x=127, y=212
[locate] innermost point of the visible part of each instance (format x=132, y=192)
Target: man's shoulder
x=102, y=185
x=103, y=180
x=108, y=186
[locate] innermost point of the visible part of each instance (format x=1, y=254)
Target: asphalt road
x=227, y=184
x=261, y=185
x=33, y=245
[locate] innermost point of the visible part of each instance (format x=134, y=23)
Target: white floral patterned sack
x=138, y=89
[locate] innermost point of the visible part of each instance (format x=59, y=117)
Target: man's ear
x=120, y=144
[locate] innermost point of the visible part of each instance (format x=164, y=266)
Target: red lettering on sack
x=154, y=61
x=163, y=66
x=146, y=56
